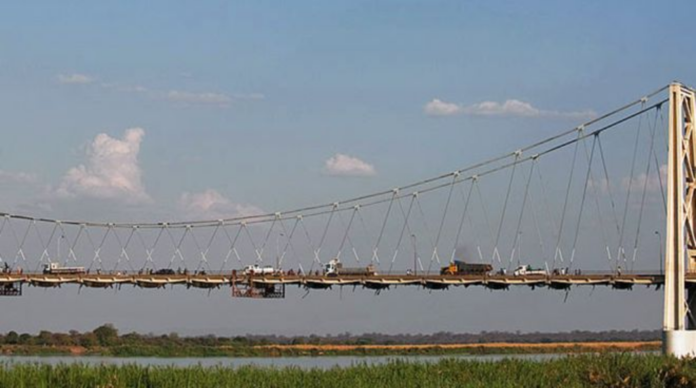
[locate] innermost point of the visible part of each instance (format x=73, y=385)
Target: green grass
x=608, y=370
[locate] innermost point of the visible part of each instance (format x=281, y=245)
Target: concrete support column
x=679, y=325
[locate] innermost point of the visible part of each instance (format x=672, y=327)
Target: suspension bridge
x=584, y=206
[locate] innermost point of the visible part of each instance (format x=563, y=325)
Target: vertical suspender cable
x=444, y=216
x=233, y=247
x=622, y=253
x=375, y=256
x=582, y=201
x=559, y=254
x=595, y=190
x=485, y=215
x=461, y=222
x=519, y=220
x=657, y=165
x=505, y=204
x=345, y=235
x=537, y=227
x=323, y=237
x=427, y=231
x=404, y=228
x=645, y=190
x=288, y=242
x=611, y=195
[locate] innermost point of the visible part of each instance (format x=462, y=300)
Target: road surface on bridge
x=105, y=280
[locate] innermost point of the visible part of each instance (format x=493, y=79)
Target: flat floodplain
x=312, y=350
x=472, y=348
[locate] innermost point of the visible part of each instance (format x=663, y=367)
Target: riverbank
x=479, y=348
x=298, y=350
x=606, y=370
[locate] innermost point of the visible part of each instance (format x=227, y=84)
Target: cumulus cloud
x=17, y=177
x=75, y=78
x=508, y=108
x=437, y=107
x=110, y=172
x=210, y=204
x=344, y=165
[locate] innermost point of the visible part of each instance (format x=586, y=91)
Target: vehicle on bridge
x=56, y=269
x=335, y=268
x=524, y=270
x=561, y=271
x=458, y=267
x=255, y=269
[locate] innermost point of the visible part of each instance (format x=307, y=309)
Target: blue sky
x=243, y=104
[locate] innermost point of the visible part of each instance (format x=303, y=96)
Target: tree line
x=107, y=335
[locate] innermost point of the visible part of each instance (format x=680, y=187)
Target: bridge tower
x=679, y=324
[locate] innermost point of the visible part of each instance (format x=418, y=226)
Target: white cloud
x=210, y=204
x=17, y=177
x=220, y=100
x=75, y=78
x=437, y=107
x=650, y=182
x=207, y=98
x=509, y=108
x=345, y=165
x=111, y=170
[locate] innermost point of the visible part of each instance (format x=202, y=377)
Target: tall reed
x=607, y=370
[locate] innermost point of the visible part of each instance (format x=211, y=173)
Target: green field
x=607, y=370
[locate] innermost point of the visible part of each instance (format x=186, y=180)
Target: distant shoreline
x=319, y=350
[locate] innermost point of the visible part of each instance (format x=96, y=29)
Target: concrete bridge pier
x=679, y=324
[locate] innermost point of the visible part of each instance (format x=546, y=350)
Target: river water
x=324, y=362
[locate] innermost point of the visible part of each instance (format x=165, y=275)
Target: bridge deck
x=105, y=280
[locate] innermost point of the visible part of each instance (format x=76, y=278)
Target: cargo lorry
x=56, y=269
x=335, y=268
x=458, y=267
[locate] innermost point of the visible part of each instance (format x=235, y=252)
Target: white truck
x=524, y=270
x=56, y=269
x=334, y=268
x=255, y=269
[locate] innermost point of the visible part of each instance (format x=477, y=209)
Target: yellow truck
x=458, y=267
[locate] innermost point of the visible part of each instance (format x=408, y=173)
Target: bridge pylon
x=679, y=324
